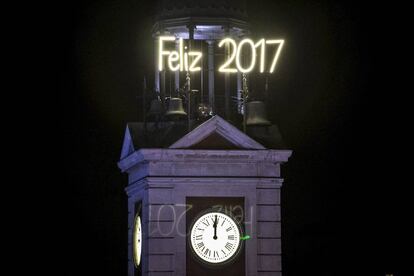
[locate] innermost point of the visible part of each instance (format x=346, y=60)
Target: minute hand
x=215, y=228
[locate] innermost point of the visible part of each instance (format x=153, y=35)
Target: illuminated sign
x=237, y=50
x=178, y=60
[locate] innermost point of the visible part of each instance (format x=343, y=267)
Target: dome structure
x=210, y=19
x=167, y=9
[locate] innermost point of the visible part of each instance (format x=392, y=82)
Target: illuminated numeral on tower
x=236, y=54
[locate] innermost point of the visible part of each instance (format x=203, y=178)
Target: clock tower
x=216, y=186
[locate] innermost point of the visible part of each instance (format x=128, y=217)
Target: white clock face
x=215, y=238
x=137, y=241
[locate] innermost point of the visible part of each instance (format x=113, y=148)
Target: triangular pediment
x=216, y=133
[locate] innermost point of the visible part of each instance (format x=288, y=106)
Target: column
x=227, y=95
x=156, y=72
x=177, y=73
x=239, y=93
x=189, y=103
x=202, y=75
x=211, y=74
x=163, y=88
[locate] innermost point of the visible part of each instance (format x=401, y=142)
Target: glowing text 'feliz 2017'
x=180, y=60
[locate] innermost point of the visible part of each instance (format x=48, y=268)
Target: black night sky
x=333, y=99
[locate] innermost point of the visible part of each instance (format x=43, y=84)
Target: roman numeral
x=216, y=253
x=201, y=244
x=200, y=229
x=199, y=237
x=206, y=223
x=230, y=237
x=223, y=252
x=228, y=229
x=207, y=251
x=223, y=222
x=229, y=246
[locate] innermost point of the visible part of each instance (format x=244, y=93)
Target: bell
x=256, y=114
x=175, y=108
x=155, y=108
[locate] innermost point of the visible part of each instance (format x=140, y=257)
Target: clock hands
x=215, y=228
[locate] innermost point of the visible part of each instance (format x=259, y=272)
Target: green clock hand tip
x=245, y=238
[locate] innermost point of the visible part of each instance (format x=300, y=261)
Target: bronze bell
x=155, y=108
x=256, y=114
x=175, y=107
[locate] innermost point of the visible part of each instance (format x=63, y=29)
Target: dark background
x=336, y=99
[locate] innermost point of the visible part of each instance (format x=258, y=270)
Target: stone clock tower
x=213, y=165
x=203, y=193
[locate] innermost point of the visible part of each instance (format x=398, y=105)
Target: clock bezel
x=232, y=258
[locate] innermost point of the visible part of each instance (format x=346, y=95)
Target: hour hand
x=215, y=228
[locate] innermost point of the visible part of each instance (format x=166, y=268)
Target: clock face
x=215, y=238
x=137, y=241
